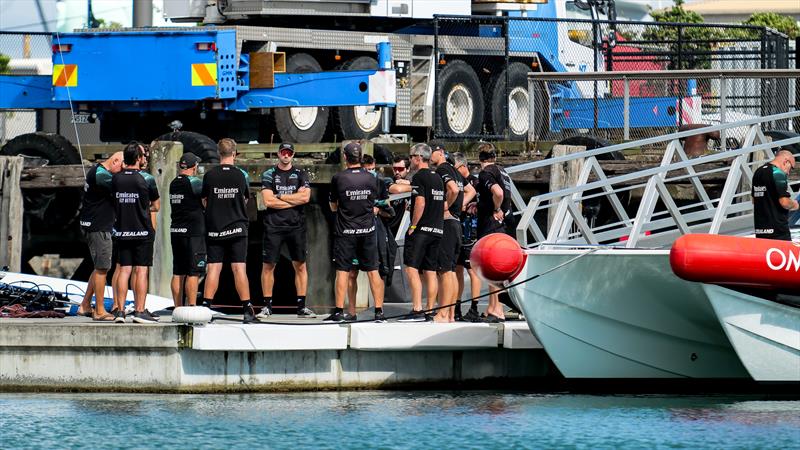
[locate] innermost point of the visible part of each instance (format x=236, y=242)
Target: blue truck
x=313, y=71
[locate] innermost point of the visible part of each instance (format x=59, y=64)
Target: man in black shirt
x=494, y=211
x=285, y=190
x=136, y=198
x=450, y=245
x=469, y=234
x=421, y=250
x=226, y=189
x=771, y=198
x=187, y=231
x=97, y=223
x=352, y=197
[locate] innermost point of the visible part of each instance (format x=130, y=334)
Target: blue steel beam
x=28, y=92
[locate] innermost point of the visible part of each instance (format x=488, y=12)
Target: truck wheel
x=47, y=209
x=461, y=100
x=358, y=122
x=518, y=101
x=199, y=144
x=301, y=125
x=779, y=135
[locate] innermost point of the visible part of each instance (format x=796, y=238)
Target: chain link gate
x=482, y=63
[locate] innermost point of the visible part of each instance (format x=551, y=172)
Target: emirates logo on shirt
x=226, y=193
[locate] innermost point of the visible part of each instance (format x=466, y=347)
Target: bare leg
x=300, y=277
x=474, y=282
x=432, y=285
x=86, y=303
x=212, y=280
x=98, y=282
x=139, y=287
x=240, y=280
x=376, y=286
x=122, y=275
x=340, y=288
x=460, y=282
x=415, y=285
x=446, y=296
x=352, y=286
x=267, y=279
x=190, y=288
x=176, y=285
x=495, y=308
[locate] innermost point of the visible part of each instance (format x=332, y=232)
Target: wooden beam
x=11, y=212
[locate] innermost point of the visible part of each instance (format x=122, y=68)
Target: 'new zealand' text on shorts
x=100, y=248
x=231, y=250
x=356, y=252
x=294, y=238
x=421, y=251
x=188, y=255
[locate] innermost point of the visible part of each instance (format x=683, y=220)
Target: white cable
x=71, y=110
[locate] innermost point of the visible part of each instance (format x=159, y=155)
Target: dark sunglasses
x=286, y=152
x=398, y=169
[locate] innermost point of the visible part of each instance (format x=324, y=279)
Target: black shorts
x=135, y=252
x=188, y=255
x=421, y=251
x=231, y=250
x=295, y=240
x=356, y=252
x=100, y=248
x=787, y=236
x=450, y=246
x=489, y=226
x=463, y=255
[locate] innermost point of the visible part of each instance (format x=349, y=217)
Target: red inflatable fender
x=737, y=261
x=497, y=257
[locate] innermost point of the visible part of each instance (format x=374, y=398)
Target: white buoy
x=192, y=314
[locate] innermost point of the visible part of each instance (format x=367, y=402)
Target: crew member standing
x=421, y=251
x=137, y=201
x=187, y=231
x=494, y=212
x=97, y=223
x=226, y=189
x=355, y=246
x=285, y=191
x=450, y=245
x=771, y=198
x=469, y=233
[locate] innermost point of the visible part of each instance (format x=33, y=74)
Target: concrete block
x=518, y=335
x=422, y=336
x=240, y=337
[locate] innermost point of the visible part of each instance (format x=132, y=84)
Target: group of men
x=209, y=228
x=441, y=203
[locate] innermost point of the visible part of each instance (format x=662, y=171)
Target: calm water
x=404, y=420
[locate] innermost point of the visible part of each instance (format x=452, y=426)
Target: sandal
x=88, y=313
x=107, y=317
x=491, y=318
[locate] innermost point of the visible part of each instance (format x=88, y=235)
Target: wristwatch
x=498, y=209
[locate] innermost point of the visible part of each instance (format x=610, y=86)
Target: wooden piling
x=164, y=159
x=566, y=174
x=11, y=212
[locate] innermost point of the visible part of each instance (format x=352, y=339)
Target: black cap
x=189, y=160
x=486, y=155
x=286, y=146
x=436, y=146
x=353, y=150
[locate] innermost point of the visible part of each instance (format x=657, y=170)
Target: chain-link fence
x=483, y=62
x=642, y=104
x=22, y=54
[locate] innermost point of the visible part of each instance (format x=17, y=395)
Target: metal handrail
x=662, y=75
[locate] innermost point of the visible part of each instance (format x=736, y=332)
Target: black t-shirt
x=133, y=190
x=488, y=177
x=284, y=182
x=226, y=190
x=354, y=191
x=770, y=184
x=185, y=199
x=448, y=174
x=429, y=185
x=97, y=209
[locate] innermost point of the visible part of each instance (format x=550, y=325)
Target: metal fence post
x=437, y=125
x=723, y=106
x=506, y=110
x=626, y=109
x=797, y=83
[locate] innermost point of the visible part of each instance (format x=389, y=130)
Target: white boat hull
x=623, y=314
x=765, y=334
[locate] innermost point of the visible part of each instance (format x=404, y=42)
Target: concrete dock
x=76, y=354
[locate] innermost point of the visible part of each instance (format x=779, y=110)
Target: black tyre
x=199, y=144
x=301, y=125
x=517, y=100
x=591, y=143
x=461, y=109
x=382, y=155
x=358, y=122
x=47, y=210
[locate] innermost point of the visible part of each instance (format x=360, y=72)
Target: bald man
x=772, y=200
x=97, y=222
